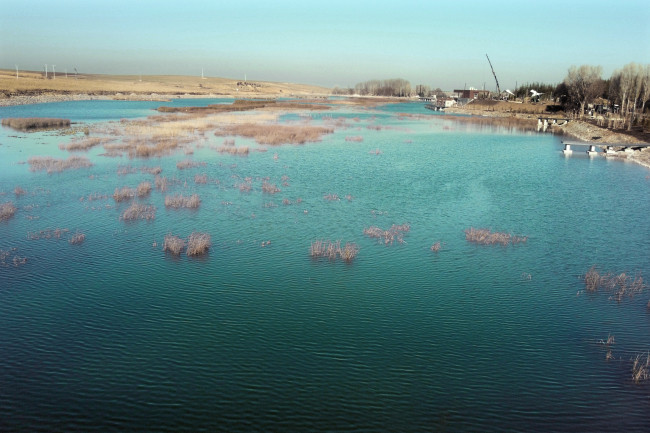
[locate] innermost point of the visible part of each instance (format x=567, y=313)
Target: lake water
x=115, y=335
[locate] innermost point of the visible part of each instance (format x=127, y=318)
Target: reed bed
x=139, y=211
x=174, y=245
x=198, y=244
x=394, y=234
x=7, y=210
x=123, y=194
x=77, y=239
x=84, y=144
x=123, y=170
x=641, y=368
x=333, y=250
x=620, y=285
x=143, y=189
x=269, y=188
x=178, y=201
x=277, y=134
x=188, y=163
x=437, y=246
x=355, y=138
x=487, y=237
x=35, y=123
x=200, y=178
x=53, y=165
x=18, y=191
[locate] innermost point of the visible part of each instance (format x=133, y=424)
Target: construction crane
x=495, y=75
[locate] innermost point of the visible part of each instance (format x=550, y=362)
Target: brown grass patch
x=7, y=210
x=35, y=123
x=277, y=134
x=53, y=165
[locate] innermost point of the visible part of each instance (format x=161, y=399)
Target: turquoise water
x=115, y=335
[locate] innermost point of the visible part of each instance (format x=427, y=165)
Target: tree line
x=391, y=87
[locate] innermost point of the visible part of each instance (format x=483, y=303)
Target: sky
x=328, y=42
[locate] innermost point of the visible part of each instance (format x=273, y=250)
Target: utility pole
x=54, y=72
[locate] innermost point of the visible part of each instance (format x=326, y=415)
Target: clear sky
x=328, y=42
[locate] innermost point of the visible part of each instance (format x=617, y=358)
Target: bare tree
x=584, y=84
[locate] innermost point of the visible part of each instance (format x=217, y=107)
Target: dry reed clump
x=35, y=123
x=641, y=367
x=178, y=201
x=6, y=260
x=487, y=237
x=53, y=165
x=139, y=212
x=188, y=163
x=201, y=178
x=19, y=191
x=7, y=210
x=277, y=134
x=123, y=194
x=621, y=285
x=173, y=244
x=231, y=150
x=77, y=239
x=83, y=144
x=245, y=186
x=333, y=250
x=394, y=233
x=331, y=197
x=269, y=188
x=151, y=170
x=56, y=233
x=143, y=189
x=161, y=183
x=355, y=138
x=198, y=244
x=437, y=246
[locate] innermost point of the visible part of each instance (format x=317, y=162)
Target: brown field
x=145, y=86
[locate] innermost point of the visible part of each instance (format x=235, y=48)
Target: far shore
x=33, y=88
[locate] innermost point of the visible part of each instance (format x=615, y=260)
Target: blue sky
x=328, y=42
